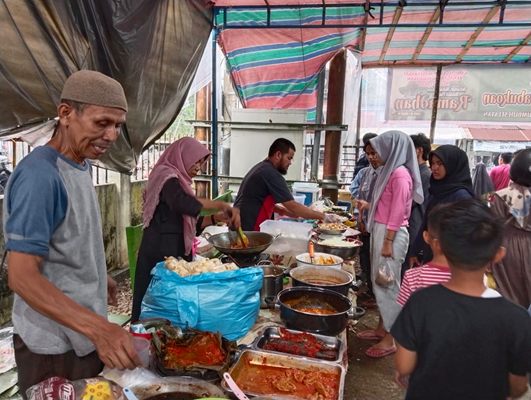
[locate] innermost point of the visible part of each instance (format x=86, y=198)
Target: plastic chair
x=133, y=235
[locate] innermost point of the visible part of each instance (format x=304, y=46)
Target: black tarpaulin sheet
x=151, y=47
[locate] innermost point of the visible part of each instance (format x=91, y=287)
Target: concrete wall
x=136, y=201
x=109, y=202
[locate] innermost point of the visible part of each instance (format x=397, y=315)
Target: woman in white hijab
x=398, y=184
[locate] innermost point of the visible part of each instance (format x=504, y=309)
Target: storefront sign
x=500, y=147
x=467, y=93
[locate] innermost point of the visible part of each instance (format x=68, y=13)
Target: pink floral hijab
x=176, y=160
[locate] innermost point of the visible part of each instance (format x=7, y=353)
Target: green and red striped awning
x=275, y=49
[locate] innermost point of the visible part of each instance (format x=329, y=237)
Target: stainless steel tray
x=272, y=332
x=282, y=361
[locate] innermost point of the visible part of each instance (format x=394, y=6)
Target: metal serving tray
x=268, y=359
x=272, y=332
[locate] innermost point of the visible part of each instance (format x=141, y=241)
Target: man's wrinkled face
x=92, y=131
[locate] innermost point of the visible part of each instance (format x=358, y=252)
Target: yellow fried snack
x=97, y=391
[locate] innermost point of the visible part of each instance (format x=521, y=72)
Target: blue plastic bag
x=226, y=302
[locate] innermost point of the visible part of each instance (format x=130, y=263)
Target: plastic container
x=310, y=191
x=299, y=198
x=142, y=346
x=292, y=230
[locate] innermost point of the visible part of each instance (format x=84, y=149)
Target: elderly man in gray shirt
x=53, y=233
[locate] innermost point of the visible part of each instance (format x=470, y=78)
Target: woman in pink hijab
x=171, y=212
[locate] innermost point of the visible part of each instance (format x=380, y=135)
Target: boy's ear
x=500, y=255
x=427, y=237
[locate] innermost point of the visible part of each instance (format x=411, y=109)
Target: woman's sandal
x=375, y=352
x=368, y=335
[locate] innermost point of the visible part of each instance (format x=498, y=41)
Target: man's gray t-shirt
x=51, y=210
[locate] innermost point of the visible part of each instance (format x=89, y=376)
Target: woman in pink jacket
x=397, y=186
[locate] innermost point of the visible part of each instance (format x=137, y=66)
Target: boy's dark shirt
x=466, y=346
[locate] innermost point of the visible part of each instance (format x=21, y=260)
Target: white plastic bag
x=137, y=376
x=386, y=277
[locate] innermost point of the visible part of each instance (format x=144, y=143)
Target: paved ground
x=369, y=378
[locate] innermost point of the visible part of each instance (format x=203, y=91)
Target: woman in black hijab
x=481, y=182
x=450, y=182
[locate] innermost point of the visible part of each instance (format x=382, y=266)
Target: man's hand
x=115, y=347
x=387, y=249
x=112, y=290
x=362, y=205
x=413, y=262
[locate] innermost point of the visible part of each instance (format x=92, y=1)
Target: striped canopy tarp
x=276, y=48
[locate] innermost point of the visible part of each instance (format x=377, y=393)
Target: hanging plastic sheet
x=152, y=48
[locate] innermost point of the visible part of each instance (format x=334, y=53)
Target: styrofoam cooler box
x=309, y=190
x=293, y=240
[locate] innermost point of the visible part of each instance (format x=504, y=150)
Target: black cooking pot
x=324, y=277
x=324, y=324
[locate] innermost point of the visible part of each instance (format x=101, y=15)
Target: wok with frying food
x=260, y=373
x=224, y=242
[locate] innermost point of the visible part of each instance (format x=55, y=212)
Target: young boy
x=460, y=340
x=432, y=273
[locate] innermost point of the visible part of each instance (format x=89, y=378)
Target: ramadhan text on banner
x=467, y=93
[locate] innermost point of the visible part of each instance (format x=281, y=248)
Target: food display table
x=268, y=317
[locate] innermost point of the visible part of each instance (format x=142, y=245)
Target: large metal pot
x=324, y=324
x=272, y=283
x=324, y=277
x=181, y=385
x=258, y=242
x=346, y=253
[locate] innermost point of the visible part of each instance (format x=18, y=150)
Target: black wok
x=258, y=242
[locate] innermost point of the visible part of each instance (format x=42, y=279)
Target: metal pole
x=334, y=115
x=435, y=103
x=200, y=132
x=316, y=151
x=358, y=125
x=215, y=188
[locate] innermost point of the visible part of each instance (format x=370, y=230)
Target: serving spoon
x=234, y=387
